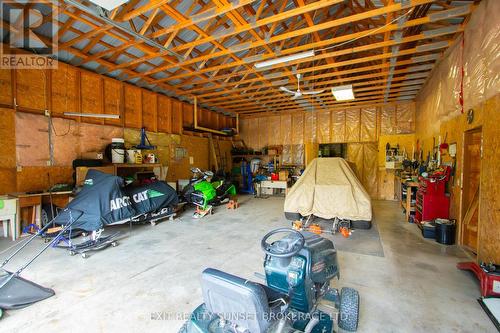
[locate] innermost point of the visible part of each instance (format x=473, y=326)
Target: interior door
x=471, y=188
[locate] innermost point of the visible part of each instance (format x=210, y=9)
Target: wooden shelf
x=254, y=155
x=136, y=165
x=405, y=202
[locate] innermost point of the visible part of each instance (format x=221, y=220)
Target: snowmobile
x=297, y=296
x=204, y=191
x=105, y=201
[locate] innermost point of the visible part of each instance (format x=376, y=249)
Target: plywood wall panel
x=197, y=148
x=177, y=117
x=97, y=137
x=32, y=139
x=35, y=178
x=31, y=87
x=6, y=97
x=214, y=120
x=203, y=118
x=263, y=133
x=253, y=138
x=66, y=141
x=91, y=96
x=164, y=114
x=149, y=110
x=64, y=90
x=187, y=115
x=273, y=130
x=245, y=131
x=385, y=184
x=489, y=205
x=113, y=101
x=8, y=180
x=133, y=106
x=7, y=138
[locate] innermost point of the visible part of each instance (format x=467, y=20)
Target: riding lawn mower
x=297, y=296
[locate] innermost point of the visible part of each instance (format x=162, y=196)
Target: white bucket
x=117, y=150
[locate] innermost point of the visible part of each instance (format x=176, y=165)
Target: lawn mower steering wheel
x=290, y=251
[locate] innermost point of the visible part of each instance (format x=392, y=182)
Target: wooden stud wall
x=6, y=96
x=429, y=125
x=336, y=126
x=64, y=90
x=7, y=151
x=92, y=96
x=71, y=89
x=361, y=128
x=133, y=102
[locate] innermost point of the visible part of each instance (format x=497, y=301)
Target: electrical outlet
x=191, y=160
x=48, y=163
x=19, y=168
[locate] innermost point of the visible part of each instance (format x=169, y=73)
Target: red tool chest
x=432, y=200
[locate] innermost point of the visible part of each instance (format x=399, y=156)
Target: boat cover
x=328, y=188
x=103, y=200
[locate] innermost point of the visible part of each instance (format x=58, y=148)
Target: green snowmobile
x=205, y=192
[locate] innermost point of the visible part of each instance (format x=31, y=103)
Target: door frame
x=463, y=209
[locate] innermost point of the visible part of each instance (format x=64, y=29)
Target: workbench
x=275, y=184
x=122, y=170
x=405, y=201
x=34, y=201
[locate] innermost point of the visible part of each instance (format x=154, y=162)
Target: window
x=333, y=150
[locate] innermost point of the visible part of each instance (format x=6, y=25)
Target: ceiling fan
x=299, y=93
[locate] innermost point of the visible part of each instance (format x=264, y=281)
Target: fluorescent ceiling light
x=281, y=60
x=343, y=93
x=92, y=115
x=109, y=4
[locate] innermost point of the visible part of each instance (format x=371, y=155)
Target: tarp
x=103, y=200
x=328, y=188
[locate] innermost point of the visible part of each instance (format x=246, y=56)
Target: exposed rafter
x=208, y=48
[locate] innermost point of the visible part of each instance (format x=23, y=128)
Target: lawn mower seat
x=239, y=301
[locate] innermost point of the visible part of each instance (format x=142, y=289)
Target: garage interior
x=237, y=109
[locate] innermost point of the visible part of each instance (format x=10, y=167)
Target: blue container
x=429, y=230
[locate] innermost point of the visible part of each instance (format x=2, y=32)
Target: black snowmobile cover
x=103, y=200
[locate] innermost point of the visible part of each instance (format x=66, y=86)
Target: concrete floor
x=414, y=287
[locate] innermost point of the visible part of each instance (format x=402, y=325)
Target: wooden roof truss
x=208, y=48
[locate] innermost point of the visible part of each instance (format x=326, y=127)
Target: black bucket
x=445, y=231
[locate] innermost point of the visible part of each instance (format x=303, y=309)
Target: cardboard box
x=272, y=152
x=283, y=175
